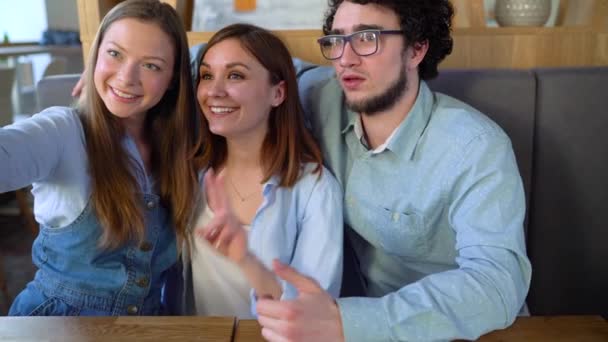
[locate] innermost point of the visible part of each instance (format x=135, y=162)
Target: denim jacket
x=75, y=276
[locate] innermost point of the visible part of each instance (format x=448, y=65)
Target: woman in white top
x=266, y=195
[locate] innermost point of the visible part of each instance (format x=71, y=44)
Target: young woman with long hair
x=113, y=179
x=266, y=195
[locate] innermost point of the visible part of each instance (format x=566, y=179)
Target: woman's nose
x=216, y=88
x=128, y=74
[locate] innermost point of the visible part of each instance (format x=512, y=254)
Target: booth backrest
x=56, y=90
x=568, y=235
x=557, y=120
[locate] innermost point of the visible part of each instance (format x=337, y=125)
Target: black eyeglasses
x=363, y=43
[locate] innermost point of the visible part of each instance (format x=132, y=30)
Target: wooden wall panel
x=584, y=42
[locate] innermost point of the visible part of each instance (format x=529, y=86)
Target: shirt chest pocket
x=401, y=233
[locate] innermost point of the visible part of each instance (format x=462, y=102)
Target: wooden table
x=539, y=328
x=558, y=328
x=81, y=329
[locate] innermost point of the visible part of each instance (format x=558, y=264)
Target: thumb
x=301, y=282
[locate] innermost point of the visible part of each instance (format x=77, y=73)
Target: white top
x=219, y=286
x=301, y=226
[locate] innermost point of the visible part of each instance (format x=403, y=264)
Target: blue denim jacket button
x=151, y=205
x=132, y=310
x=142, y=282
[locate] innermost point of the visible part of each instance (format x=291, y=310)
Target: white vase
x=522, y=12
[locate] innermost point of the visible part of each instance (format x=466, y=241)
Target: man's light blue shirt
x=436, y=218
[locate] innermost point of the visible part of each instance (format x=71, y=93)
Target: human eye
x=331, y=41
x=204, y=75
x=151, y=66
x=235, y=76
x=113, y=53
x=366, y=36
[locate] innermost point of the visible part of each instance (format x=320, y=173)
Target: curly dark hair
x=421, y=20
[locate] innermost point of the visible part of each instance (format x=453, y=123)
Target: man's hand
x=313, y=316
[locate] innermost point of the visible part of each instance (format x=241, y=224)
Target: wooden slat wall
x=582, y=40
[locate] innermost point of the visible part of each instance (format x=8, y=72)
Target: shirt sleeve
x=319, y=249
x=486, y=207
x=309, y=77
x=31, y=149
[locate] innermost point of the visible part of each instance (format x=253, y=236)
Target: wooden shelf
x=581, y=41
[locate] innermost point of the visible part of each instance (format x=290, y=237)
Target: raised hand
x=224, y=232
x=312, y=316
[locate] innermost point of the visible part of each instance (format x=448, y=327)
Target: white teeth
x=123, y=95
x=221, y=110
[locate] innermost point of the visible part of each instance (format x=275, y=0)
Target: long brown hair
x=288, y=144
x=170, y=131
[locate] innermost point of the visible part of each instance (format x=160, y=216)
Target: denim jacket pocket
x=403, y=234
x=54, y=306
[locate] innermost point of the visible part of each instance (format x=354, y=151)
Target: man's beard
x=384, y=101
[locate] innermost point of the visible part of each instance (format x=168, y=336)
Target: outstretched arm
x=31, y=149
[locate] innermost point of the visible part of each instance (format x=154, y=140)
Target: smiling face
x=235, y=93
x=134, y=68
x=371, y=83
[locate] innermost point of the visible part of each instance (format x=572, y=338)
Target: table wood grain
x=537, y=328
x=553, y=328
x=68, y=329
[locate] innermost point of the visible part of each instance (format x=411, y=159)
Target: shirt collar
x=272, y=183
x=405, y=138
x=358, y=128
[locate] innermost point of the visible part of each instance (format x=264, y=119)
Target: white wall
x=211, y=15
x=23, y=20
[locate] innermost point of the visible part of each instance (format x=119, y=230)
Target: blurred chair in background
x=26, y=89
x=56, y=90
x=7, y=80
x=27, y=96
x=3, y=287
x=57, y=65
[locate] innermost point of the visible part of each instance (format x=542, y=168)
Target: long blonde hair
x=170, y=128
